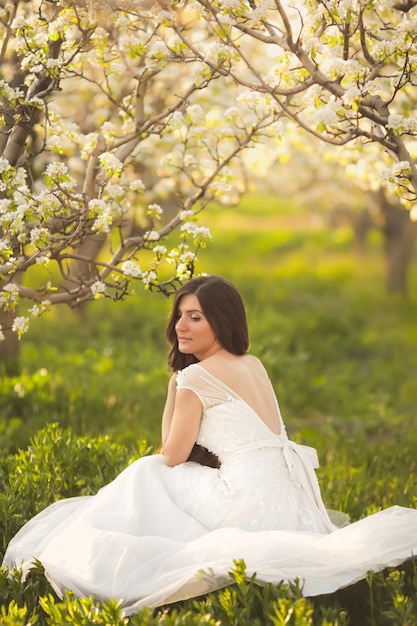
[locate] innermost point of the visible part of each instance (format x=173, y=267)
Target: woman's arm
x=169, y=407
x=198, y=453
x=180, y=424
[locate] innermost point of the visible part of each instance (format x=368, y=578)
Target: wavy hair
x=224, y=310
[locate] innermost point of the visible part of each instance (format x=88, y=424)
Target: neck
x=215, y=349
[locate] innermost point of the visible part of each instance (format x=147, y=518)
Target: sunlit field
x=342, y=356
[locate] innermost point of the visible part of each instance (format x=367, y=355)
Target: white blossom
x=350, y=95
x=5, y=204
x=160, y=250
x=173, y=255
x=232, y=114
x=53, y=63
x=102, y=213
x=88, y=144
x=158, y=49
x=12, y=288
x=187, y=257
x=114, y=192
x=56, y=169
x=214, y=51
x=20, y=176
x=109, y=130
x=38, y=236
x=35, y=310
x=220, y=187
x=196, y=115
x=149, y=276
x=4, y=165
x=18, y=22
x=395, y=121
x=55, y=143
x=134, y=43
x=97, y=288
x=173, y=159
x=164, y=187
x=155, y=210
x=402, y=124
x=176, y=120
x=190, y=160
x=131, y=268
x=183, y=271
x=195, y=230
x=392, y=178
x=385, y=175
x=137, y=185
x=186, y=214
x=175, y=44
x=10, y=293
x=227, y=20
x=327, y=114
x=261, y=11
x=231, y=4
x=110, y=162
x=20, y=325
x=36, y=102
x=4, y=244
x=152, y=235
x=9, y=92
x=401, y=168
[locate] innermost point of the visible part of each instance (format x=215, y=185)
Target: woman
x=169, y=528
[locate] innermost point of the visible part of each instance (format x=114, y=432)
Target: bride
x=229, y=485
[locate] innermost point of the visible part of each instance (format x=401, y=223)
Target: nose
x=180, y=324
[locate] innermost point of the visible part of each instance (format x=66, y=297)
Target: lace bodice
x=228, y=424
x=257, y=465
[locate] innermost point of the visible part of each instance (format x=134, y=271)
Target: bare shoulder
x=248, y=378
x=227, y=366
x=254, y=361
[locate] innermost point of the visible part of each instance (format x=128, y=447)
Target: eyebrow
x=190, y=311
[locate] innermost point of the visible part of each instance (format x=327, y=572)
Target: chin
x=185, y=349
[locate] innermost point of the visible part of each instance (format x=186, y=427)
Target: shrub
x=57, y=464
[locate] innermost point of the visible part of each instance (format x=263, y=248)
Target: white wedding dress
x=159, y=534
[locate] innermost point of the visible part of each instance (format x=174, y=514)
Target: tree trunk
x=362, y=223
x=9, y=347
x=400, y=234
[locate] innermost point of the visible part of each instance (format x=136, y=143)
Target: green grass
x=342, y=355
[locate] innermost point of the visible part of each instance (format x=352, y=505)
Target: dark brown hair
x=224, y=310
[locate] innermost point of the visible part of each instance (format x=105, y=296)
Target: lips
x=184, y=344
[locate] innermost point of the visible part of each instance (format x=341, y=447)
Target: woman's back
x=247, y=378
x=264, y=482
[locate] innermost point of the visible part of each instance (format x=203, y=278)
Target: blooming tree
x=122, y=119
x=325, y=179
x=344, y=72
x=115, y=134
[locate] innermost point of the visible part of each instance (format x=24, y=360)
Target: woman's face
x=194, y=333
